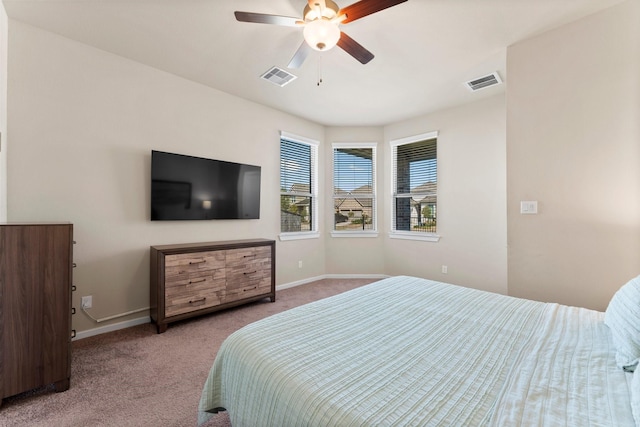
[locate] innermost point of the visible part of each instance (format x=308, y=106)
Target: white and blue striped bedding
x=412, y=352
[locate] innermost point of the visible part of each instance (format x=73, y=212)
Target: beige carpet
x=135, y=377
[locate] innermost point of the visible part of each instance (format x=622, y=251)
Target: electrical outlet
x=87, y=302
x=299, y=264
x=445, y=269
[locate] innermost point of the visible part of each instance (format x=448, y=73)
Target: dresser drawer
x=189, y=285
x=192, y=300
x=178, y=264
x=180, y=277
x=193, y=281
x=249, y=289
x=248, y=267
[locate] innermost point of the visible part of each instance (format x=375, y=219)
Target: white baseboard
x=356, y=276
x=298, y=283
x=330, y=276
x=147, y=319
x=112, y=327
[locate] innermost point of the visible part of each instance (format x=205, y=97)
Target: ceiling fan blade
x=300, y=55
x=262, y=18
x=354, y=48
x=363, y=8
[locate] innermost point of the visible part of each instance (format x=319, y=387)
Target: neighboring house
x=301, y=206
x=351, y=206
x=423, y=212
x=295, y=217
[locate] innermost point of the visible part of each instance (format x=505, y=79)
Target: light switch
x=529, y=207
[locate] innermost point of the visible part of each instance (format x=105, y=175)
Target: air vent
x=483, y=82
x=278, y=76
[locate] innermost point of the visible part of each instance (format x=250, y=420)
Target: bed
x=406, y=351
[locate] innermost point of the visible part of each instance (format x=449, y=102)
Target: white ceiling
x=425, y=50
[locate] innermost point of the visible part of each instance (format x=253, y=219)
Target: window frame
x=402, y=234
x=374, y=204
x=314, y=233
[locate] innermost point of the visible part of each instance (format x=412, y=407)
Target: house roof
x=427, y=188
x=349, y=200
x=353, y=204
x=300, y=188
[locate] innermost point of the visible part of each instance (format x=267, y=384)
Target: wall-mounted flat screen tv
x=194, y=188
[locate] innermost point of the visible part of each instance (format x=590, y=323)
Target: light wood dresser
x=193, y=279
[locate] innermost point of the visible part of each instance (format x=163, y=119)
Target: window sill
x=425, y=237
x=354, y=234
x=299, y=236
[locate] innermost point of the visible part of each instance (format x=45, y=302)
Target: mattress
x=406, y=351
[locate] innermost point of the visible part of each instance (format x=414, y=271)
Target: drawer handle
x=73, y=310
x=73, y=288
x=73, y=333
x=74, y=265
x=247, y=290
x=197, y=300
x=250, y=256
x=197, y=262
x=252, y=272
x=197, y=281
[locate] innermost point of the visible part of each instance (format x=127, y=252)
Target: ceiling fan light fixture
x=321, y=34
x=330, y=11
x=321, y=19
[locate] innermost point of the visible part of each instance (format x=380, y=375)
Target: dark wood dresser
x=197, y=278
x=36, y=264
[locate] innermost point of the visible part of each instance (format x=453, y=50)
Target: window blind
x=415, y=185
x=297, y=186
x=354, y=187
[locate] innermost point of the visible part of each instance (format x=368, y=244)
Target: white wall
x=471, y=198
x=353, y=255
x=573, y=142
x=4, y=36
x=83, y=123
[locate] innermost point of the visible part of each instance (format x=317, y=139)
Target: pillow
x=635, y=397
x=623, y=318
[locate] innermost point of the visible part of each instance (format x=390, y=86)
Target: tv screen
x=194, y=188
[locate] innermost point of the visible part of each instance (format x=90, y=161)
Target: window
x=298, y=187
x=415, y=185
x=354, y=188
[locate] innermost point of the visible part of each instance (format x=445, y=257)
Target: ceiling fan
x=321, y=19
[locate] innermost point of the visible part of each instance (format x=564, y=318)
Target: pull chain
x=319, y=69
